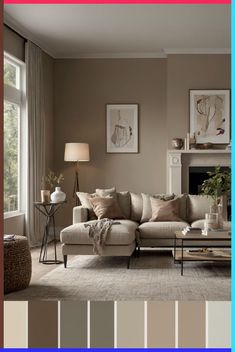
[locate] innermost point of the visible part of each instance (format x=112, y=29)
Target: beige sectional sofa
x=135, y=231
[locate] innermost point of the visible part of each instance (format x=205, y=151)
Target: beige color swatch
x=219, y=324
x=130, y=324
x=191, y=324
x=15, y=324
x=161, y=324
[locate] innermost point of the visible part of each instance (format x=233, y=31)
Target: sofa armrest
x=80, y=214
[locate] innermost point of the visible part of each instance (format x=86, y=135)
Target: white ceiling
x=70, y=31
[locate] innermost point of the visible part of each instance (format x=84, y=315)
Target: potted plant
x=50, y=181
x=217, y=186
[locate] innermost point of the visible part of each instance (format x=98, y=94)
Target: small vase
x=45, y=196
x=58, y=196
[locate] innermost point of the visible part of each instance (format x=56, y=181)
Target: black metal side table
x=48, y=210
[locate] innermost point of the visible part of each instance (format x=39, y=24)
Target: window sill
x=12, y=214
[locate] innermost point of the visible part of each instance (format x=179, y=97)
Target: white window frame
x=17, y=95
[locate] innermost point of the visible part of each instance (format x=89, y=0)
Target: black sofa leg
x=65, y=260
x=138, y=250
x=128, y=262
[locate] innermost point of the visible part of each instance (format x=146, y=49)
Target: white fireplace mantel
x=179, y=161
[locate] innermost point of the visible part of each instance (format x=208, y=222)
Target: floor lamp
x=76, y=152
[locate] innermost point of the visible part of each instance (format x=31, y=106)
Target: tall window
x=14, y=111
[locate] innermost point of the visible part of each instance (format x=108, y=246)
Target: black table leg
x=174, y=249
x=182, y=258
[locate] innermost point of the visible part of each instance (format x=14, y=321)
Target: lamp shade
x=76, y=152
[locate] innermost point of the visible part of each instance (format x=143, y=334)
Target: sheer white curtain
x=36, y=141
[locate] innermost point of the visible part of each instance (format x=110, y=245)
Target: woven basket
x=17, y=264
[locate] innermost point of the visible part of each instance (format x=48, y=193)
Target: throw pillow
x=106, y=207
x=85, y=202
x=106, y=192
x=163, y=210
x=147, y=209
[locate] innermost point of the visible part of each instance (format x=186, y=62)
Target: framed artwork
x=122, y=128
x=210, y=115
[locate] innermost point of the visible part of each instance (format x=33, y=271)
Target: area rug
x=152, y=276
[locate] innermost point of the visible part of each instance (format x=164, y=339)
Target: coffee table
x=195, y=240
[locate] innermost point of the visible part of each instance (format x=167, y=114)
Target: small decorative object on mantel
x=205, y=146
x=177, y=143
x=217, y=186
x=210, y=115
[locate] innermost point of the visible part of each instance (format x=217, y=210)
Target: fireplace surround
x=179, y=163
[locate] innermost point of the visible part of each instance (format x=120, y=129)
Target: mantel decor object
x=76, y=152
x=177, y=143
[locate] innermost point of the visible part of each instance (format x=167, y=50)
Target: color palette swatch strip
x=133, y=324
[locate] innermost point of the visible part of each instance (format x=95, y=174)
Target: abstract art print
x=210, y=115
x=122, y=128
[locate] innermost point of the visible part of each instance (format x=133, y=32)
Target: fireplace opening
x=197, y=174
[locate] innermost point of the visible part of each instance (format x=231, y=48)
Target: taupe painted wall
x=82, y=88
x=186, y=72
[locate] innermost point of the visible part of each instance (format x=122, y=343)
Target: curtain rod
x=21, y=36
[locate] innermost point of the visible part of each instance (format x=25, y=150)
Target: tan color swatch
x=191, y=324
x=130, y=324
x=161, y=324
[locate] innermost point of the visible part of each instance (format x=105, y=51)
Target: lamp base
x=76, y=184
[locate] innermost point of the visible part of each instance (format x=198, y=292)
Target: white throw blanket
x=98, y=232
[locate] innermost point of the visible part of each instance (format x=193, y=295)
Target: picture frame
x=122, y=130
x=210, y=115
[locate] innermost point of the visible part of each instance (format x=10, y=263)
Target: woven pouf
x=17, y=264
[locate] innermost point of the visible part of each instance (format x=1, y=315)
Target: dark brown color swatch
x=73, y=324
x=42, y=324
x=102, y=324
x=191, y=324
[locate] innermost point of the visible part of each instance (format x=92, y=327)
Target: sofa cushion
x=200, y=224
x=124, y=201
x=119, y=234
x=161, y=229
x=147, y=209
x=106, y=207
x=198, y=206
x=165, y=210
x=85, y=202
x=136, y=206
